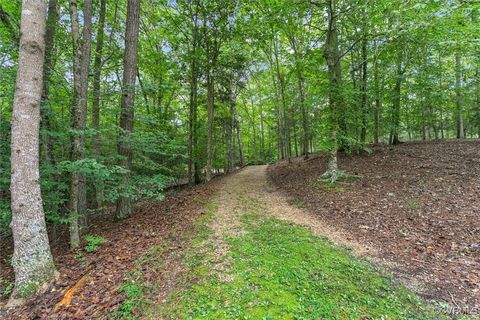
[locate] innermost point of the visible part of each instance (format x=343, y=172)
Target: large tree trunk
x=459, y=96
x=32, y=260
x=97, y=73
x=78, y=186
x=332, y=55
x=125, y=148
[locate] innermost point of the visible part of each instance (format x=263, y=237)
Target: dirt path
x=249, y=190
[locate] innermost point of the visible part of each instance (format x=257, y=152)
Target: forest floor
x=416, y=205
x=277, y=243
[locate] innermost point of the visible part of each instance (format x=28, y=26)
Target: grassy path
x=253, y=257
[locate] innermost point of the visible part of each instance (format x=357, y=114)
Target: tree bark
x=210, y=111
x=394, y=133
x=192, y=115
x=51, y=27
x=332, y=55
x=97, y=74
x=363, y=89
x=459, y=95
x=32, y=260
x=285, y=126
x=78, y=186
x=378, y=101
x=236, y=123
x=125, y=148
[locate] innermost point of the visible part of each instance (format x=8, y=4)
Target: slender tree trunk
x=192, y=118
x=78, y=190
x=127, y=108
x=332, y=55
x=97, y=73
x=301, y=95
x=378, y=103
x=229, y=143
x=285, y=126
x=262, y=136
x=394, y=134
x=477, y=98
x=236, y=122
x=32, y=260
x=363, y=90
x=440, y=83
x=210, y=111
x=459, y=95
x=47, y=144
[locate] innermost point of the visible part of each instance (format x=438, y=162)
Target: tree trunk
x=285, y=126
x=394, y=133
x=378, y=102
x=78, y=190
x=192, y=116
x=459, y=95
x=301, y=95
x=210, y=111
x=47, y=145
x=332, y=56
x=236, y=122
x=262, y=136
x=229, y=144
x=97, y=73
x=32, y=260
x=363, y=89
x=127, y=108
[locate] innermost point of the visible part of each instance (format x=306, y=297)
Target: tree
x=335, y=96
x=127, y=108
x=78, y=185
x=32, y=260
x=97, y=74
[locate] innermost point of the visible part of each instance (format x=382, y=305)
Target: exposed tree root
x=67, y=298
x=335, y=175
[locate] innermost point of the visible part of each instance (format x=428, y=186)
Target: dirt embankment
x=417, y=204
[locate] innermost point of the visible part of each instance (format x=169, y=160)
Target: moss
x=27, y=290
x=282, y=271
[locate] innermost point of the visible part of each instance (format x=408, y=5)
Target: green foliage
x=27, y=290
x=133, y=292
x=282, y=271
x=5, y=218
x=412, y=204
x=6, y=287
x=93, y=243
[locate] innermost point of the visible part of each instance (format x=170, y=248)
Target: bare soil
x=417, y=206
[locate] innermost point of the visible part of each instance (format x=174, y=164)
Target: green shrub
x=93, y=243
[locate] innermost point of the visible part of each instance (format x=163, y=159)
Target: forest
x=127, y=125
